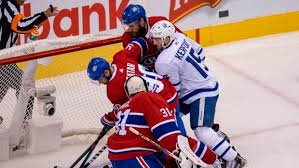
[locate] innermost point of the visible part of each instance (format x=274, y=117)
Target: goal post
x=78, y=102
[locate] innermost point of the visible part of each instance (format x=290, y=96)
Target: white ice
x=258, y=105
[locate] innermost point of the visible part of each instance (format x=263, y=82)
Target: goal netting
x=79, y=102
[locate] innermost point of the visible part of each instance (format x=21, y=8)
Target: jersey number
x=166, y=112
x=196, y=63
x=121, y=123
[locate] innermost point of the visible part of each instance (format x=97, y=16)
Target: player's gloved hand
x=107, y=122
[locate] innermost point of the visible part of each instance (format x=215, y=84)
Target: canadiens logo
x=94, y=68
x=149, y=61
x=134, y=9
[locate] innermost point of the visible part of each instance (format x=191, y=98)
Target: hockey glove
x=107, y=122
x=187, y=156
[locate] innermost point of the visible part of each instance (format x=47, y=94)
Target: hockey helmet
x=135, y=84
x=96, y=68
x=163, y=29
x=132, y=13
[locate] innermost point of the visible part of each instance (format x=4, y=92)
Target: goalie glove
x=107, y=122
x=185, y=161
x=187, y=156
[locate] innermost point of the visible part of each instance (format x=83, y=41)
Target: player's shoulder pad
x=140, y=42
x=137, y=47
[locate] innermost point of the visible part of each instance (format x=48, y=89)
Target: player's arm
x=197, y=49
x=160, y=120
x=20, y=23
x=109, y=118
x=171, y=72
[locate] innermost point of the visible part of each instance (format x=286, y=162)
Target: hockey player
x=138, y=25
x=182, y=60
x=149, y=114
x=124, y=65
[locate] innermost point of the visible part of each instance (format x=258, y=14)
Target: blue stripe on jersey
x=164, y=129
x=150, y=76
x=141, y=42
x=197, y=67
x=200, y=149
x=136, y=120
x=197, y=91
x=176, y=84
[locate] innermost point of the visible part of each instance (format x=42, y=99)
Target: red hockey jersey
x=125, y=65
x=149, y=57
x=150, y=115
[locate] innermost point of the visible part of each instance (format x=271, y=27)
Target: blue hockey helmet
x=96, y=68
x=132, y=13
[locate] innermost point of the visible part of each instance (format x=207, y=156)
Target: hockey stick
x=95, y=156
x=92, y=146
x=199, y=162
x=155, y=144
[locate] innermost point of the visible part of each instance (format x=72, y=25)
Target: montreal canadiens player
x=149, y=114
x=182, y=60
x=138, y=25
x=124, y=65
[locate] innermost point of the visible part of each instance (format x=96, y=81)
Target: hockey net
x=79, y=102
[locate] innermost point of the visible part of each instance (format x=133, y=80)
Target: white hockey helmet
x=163, y=29
x=135, y=84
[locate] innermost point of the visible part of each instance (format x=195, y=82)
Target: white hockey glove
x=187, y=156
x=185, y=161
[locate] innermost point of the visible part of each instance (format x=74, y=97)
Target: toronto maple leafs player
x=182, y=61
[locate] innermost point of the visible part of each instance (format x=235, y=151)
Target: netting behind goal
x=79, y=102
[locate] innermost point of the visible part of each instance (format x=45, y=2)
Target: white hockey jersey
x=183, y=63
